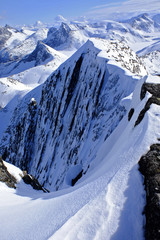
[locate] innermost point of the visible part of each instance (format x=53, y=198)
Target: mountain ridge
x=65, y=99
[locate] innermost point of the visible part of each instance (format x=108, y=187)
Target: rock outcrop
x=150, y=168
x=6, y=177
x=153, y=89
x=31, y=180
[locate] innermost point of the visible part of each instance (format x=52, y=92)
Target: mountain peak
x=141, y=22
x=60, y=18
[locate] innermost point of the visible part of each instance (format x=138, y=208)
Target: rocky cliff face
x=150, y=168
x=57, y=37
x=6, y=177
x=79, y=107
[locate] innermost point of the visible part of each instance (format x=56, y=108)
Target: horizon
x=29, y=12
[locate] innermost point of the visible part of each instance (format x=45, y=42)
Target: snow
x=151, y=79
x=151, y=48
x=14, y=171
x=108, y=201
x=107, y=204
x=16, y=86
x=10, y=88
x=72, y=173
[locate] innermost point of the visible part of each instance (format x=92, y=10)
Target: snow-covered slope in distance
x=149, y=49
x=143, y=23
x=14, y=87
x=42, y=55
x=17, y=46
x=152, y=62
x=47, y=60
x=9, y=88
x=151, y=57
x=10, y=37
x=68, y=37
x=137, y=32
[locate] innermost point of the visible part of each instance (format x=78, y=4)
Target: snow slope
x=152, y=62
x=106, y=204
x=20, y=44
x=10, y=88
x=151, y=57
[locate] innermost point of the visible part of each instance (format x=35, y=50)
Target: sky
x=17, y=12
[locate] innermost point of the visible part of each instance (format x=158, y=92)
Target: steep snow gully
x=81, y=133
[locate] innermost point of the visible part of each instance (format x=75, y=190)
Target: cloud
x=125, y=9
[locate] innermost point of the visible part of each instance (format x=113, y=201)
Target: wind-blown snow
x=108, y=204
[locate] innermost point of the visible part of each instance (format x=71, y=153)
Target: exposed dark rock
x=130, y=114
x=39, y=55
x=5, y=176
x=29, y=179
x=73, y=81
x=150, y=168
x=151, y=100
x=77, y=178
x=152, y=88
x=58, y=37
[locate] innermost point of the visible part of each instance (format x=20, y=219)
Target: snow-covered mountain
x=67, y=37
x=41, y=55
x=150, y=57
x=5, y=34
x=152, y=62
x=28, y=73
x=75, y=113
x=20, y=44
x=78, y=110
x=156, y=18
x=143, y=23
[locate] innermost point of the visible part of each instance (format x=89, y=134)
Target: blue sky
x=29, y=11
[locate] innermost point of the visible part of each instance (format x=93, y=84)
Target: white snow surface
x=106, y=204
x=108, y=201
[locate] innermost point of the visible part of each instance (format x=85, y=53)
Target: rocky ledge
x=150, y=168
x=6, y=177
x=31, y=180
